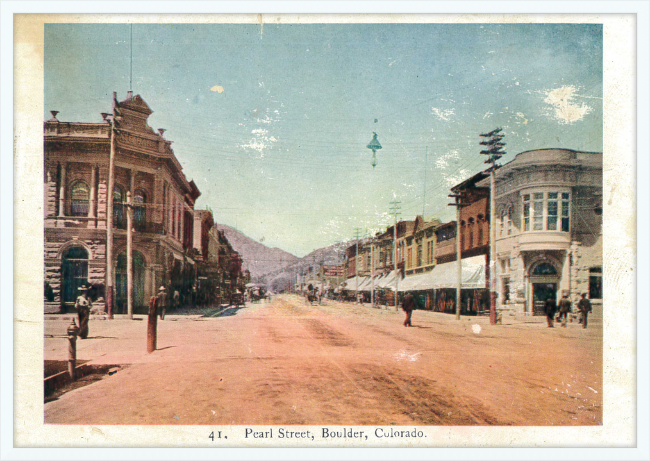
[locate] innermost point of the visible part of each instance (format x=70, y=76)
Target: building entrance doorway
x=544, y=280
x=542, y=292
x=75, y=273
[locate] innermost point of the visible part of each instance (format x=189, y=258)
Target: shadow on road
x=163, y=348
x=230, y=311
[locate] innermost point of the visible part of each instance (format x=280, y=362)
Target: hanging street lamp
x=374, y=146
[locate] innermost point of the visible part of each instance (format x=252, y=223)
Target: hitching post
x=152, y=324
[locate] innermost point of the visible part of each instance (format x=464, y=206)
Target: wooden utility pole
x=372, y=273
x=494, y=152
x=109, y=214
x=357, y=233
x=395, y=210
x=129, y=254
x=459, y=257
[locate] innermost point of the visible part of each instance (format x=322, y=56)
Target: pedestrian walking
x=408, y=304
x=565, y=308
x=83, y=305
x=584, y=305
x=550, y=309
x=177, y=299
x=162, y=302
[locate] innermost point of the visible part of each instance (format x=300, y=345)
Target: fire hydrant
x=73, y=331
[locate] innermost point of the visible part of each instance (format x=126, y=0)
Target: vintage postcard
x=324, y=231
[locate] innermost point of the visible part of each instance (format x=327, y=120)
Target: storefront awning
x=351, y=283
x=446, y=275
x=367, y=285
x=416, y=282
x=388, y=281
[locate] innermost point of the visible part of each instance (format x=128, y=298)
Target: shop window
x=596, y=283
x=79, y=195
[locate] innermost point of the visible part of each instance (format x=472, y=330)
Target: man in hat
x=408, y=305
x=549, y=309
x=83, y=305
x=162, y=302
x=565, y=308
x=584, y=305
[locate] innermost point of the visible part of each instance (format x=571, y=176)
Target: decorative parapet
x=77, y=130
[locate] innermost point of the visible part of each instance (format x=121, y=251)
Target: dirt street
x=288, y=362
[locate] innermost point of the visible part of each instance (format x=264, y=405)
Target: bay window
x=546, y=211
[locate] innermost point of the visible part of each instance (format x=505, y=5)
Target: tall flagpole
x=131, y=79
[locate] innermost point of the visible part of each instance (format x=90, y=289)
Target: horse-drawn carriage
x=237, y=299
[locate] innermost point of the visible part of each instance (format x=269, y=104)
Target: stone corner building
x=549, y=229
x=75, y=206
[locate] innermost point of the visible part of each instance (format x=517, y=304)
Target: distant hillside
x=280, y=279
x=258, y=258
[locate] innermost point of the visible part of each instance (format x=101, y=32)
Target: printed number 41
x=212, y=436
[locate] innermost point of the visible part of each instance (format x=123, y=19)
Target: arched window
x=480, y=224
x=119, y=219
x=544, y=268
x=79, y=195
x=75, y=272
x=139, y=211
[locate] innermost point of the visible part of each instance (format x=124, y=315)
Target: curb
x=59, y=380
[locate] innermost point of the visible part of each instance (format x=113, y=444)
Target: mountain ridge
x=257, y=257
x=276, y=267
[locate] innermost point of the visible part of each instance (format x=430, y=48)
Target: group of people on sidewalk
x=550, y=309
x=564, y=308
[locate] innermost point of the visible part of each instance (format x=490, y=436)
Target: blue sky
x=272, y=122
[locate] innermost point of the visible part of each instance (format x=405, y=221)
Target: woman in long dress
x=83, y=306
